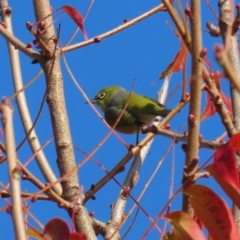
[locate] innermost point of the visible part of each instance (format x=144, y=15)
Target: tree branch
x=60, y=124
x=13, y=170
x=195, y=101
x=230, y=39
x=208, y=144
x=115, y=30
x=23, y=107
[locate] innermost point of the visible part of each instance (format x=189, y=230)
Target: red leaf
x=57, y=229
x=224, y=170
x=224, y=164
x=184, y=227
x=78, y=236
x=210, y=107
x=209, y=110
x=234, y=142
x=231, y=191
x=178, y=63
x=213, y=212
x=76, y=16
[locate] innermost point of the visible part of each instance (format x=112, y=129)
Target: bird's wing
x=145, y=106
x=155, y=101
x=112, y=115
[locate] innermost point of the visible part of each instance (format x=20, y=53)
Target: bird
x=140, y=110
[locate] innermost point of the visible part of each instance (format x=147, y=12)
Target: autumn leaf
x=213, y=212
x=230, y=190
x=57, y=229
x=224, y=164
x=184, y=226
x=225, y=172
x=234, y=142
x=178, y=63
x=210, y=108
x=76, y=16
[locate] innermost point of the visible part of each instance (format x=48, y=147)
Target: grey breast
x=117, y=98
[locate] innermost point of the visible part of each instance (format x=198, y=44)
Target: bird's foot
x=130, y=147
x=147, y=129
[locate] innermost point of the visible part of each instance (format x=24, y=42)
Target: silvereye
x=140, y=110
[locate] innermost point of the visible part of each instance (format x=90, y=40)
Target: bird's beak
x=92, y=101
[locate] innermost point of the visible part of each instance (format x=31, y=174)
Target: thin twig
x=131, y=226
x=115, y=30
x=215, y=144
x=34, y=123
x=27, y=85
x=7, y=194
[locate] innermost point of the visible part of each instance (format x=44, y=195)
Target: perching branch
x=133, y=152
x=208, y=144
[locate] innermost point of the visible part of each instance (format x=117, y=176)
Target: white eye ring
x=102, y=95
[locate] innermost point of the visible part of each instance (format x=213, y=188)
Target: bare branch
x=215, y=144
x=13, y=170
x=17, y=44
x=115, y=30
x=60, y=124
x=7, y=194
x=195, y=100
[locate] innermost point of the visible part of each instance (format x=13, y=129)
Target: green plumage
x=140, y=109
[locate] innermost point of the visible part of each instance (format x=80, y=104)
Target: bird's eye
x=102, y=95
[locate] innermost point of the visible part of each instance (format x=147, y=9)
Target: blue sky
x=140, y=52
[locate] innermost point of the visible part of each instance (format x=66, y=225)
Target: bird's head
x=104, y=96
